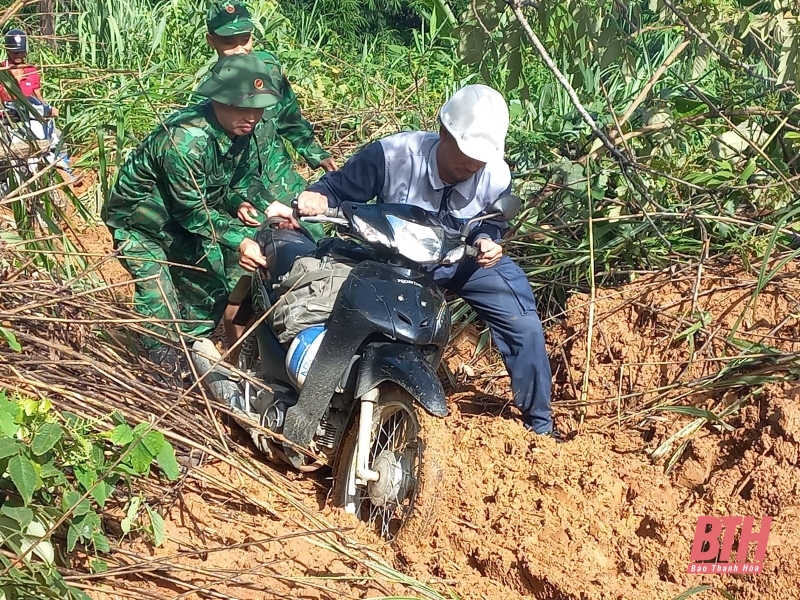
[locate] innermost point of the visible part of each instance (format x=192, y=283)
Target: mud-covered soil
x=669, y=329
x=228, y=536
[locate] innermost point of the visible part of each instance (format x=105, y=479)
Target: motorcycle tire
x=416, y=513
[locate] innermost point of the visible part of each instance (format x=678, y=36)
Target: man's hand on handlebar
x=489, y=252
x=250, y=257
x=276, y=210
x=311, y=204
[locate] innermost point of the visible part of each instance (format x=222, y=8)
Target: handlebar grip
x=296, y=212
x=471, y=251
x=332, y=213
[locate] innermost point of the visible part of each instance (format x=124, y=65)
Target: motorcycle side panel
x=405, y=366
x=375, y=299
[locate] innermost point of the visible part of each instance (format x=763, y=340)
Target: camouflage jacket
x=186, y=180
x=289, y=123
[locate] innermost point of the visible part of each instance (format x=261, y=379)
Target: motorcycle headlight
x=369, y=233
x=416, y=242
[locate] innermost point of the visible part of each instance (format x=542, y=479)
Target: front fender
x=407, y=367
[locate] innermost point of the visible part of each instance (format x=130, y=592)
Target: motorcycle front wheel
x=403, y=504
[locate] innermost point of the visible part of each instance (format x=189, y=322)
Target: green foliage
x=712, y=135
x=352, y=21
x=49, y=462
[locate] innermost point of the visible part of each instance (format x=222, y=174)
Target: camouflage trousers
x=167, y=293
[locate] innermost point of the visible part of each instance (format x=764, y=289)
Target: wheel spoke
x=393, y=453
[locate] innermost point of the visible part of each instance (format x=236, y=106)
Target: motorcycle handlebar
x=330, y=213
x=471, y=251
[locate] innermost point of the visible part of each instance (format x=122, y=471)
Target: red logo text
x=712, y=550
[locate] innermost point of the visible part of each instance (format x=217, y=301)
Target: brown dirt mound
x=247, y=545
x=668, y=329
x=593, y=519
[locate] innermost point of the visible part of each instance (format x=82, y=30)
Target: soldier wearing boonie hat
x=227, y=18
x=174, y=199
x=230, y=28
x=241, y=81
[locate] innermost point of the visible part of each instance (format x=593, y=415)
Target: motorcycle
x=360, y=393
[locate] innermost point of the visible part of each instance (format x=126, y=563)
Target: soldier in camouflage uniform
x=175, y=198
x=230, y=32
x=230, y=28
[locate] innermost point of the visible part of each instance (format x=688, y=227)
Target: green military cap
x=240, y=80
x=229, y=17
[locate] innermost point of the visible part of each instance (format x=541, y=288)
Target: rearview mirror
x=507, y=206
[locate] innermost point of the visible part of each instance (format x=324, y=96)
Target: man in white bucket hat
x=457, y=173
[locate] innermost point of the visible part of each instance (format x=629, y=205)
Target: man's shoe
x=555, y=434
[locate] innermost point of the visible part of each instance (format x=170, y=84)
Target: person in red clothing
x=27, y=76
x=30, y=83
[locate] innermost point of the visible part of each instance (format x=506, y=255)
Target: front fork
x=364, y=474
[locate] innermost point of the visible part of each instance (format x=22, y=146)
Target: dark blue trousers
x=503, y=299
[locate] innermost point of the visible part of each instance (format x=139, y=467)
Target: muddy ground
x=591, y=519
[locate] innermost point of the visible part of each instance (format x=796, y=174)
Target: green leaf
x=7, y=425
x=748, y=170
x=692, y=591
x=10, y=339
x=50, y=471
x=72, y=538
x=700, y=413
x=100, y=542
x=86, y=478
x=166, y=460
x=98, y=457
x=8, y=447
x=157, y=526
x=612, y=52
x=24, y=477
x=133, y=508
x=121, y=435
x=514, y=69
x=140, y=458
x=83, y=508
x=101, y=493
x=472, y=44
x=20, y=514
x=789, y=57
x=117, y=417
x=153, y=441
x=47, y=437
x=68, y=499
x=87, y=525
x=99, y=566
